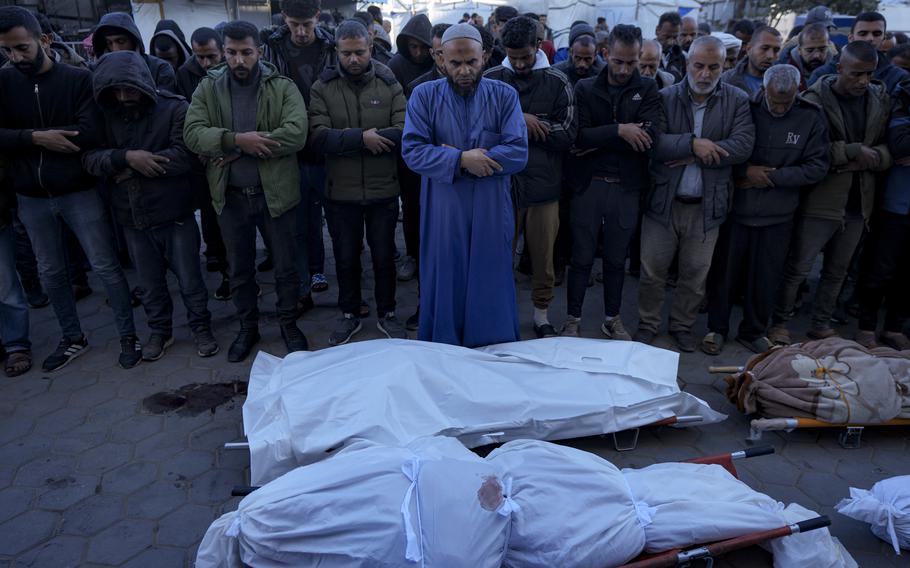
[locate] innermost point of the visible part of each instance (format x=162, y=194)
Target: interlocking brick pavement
x=89, y=478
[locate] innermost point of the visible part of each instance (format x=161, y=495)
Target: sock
x=540, y=317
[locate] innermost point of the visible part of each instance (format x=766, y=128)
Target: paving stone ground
x=90, y=478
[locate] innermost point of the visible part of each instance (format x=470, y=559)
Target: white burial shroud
x=301, y=409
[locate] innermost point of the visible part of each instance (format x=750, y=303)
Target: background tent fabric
x=193, y=14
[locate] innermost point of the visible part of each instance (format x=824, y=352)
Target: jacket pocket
x=721, y=200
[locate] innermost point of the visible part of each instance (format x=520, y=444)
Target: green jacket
x=828, y=198
x=340, y=110
x=281, y=112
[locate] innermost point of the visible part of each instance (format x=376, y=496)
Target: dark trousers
x=173, y=246
x=211, y=232
x=410, y=209
x=811, y=237
x=755, y=258
x=241, y=216
x=310, y=248
x=562, y=250
x=608, y=206
x=885, y=273
x=346, y=226
x=26, y=263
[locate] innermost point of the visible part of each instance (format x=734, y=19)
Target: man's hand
x=55, y=140
x=679, y=163
x=376, y=143
x=478, y=163
x=636, y=136
x=708, y=152
x=223, y=161
x=256, y=144
x=537, y=130
x=146, y=163
x=868, y=158
x=757, y=176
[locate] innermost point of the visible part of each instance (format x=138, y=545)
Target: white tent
x=193, y=14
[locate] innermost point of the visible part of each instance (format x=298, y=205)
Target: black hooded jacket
x=60, y=99
x=120, y=23
x=170, y=29
x=156, y=125
x=401, y=64
x=189, y=76
x=276, y=51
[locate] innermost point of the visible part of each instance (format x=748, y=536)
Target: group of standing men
x=729, y=173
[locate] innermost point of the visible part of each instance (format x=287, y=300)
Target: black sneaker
x=156, y=346
x=545, y=330
x=413, y=322
x=294, y=339
x=130, y=352
x=347, y=327
x=206, y=345
x=67, y=350
x=391, y=327
x=243, y=344
x=223, y=292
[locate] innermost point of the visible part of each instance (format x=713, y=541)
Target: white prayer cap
x=730, y=41
x=462, y=31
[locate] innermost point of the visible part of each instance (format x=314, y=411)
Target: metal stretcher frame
x=849, y=438
x=707, y=552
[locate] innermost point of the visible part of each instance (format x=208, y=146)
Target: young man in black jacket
x=302, y=50
x=548, y=103
x=49, y=120
x=118, y=32
x=148, y=164
x=619, y=114
x=790, y=154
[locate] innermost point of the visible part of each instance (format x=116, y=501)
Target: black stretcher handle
x=243, y=490
x=758, y=451
x=813, y=524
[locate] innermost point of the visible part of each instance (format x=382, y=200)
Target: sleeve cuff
x=227, y=141
x=118, y=159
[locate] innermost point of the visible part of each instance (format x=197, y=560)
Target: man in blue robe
x=466, y=136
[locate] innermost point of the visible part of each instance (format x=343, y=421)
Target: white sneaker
x=570, y=327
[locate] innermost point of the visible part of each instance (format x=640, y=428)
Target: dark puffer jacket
x=886, y=72
x=896, y=198
x=340, y=110
x=401, y=64
x=275, y=51
x=547, y=94
x=119, y=23
x=796, y=146
x=156, y=125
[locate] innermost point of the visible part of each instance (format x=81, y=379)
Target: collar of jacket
x=221, y=73
x=541, y=62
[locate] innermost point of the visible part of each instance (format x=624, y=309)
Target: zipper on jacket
x=41, y=152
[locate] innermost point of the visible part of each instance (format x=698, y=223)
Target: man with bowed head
x=708, y=130
x=466, y=136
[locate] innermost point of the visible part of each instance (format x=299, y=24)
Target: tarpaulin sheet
x=302, y=408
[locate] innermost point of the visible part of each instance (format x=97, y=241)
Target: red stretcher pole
x=679, y=558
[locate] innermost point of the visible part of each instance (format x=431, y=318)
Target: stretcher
x=702, y=552
x=850, y=436
x=707, y=552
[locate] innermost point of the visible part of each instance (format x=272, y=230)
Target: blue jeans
x=175, y=246
x=310, y=248
x=13, y=309
x=84, y=213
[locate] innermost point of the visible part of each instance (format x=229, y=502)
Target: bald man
x=649, y=64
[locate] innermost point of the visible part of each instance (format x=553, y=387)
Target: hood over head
x=170, y=29
x=115, y=23
x=122, y=69
x=381, y=35
x=419, y=28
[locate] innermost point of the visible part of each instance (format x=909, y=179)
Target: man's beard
x=699, y=91
x=32, y=67
x=463, y=91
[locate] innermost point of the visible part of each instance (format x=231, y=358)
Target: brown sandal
x=18, y=363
